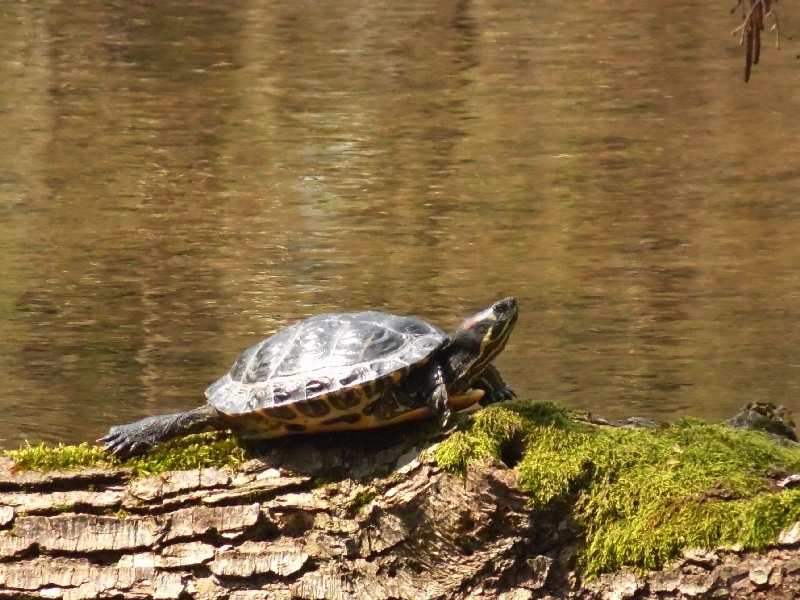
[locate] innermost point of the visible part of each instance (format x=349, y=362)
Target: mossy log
x=372, y=515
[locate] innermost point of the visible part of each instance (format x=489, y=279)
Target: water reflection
x=179, y=180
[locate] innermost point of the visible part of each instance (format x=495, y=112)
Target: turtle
x=342, y=371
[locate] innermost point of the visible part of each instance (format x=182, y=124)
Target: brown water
x=180, y=179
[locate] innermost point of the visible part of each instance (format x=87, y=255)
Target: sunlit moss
x=640, y=496
x=457, y=452
x=191, y=452
x=59, y=458
x=218, y=449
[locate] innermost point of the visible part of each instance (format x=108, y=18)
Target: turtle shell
x=325, y=369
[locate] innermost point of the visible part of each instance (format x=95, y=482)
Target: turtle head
x=481, y=337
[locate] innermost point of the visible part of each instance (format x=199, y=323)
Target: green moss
x=457, y=452
x=46, y=458
x=329, y=476
x=487, y=433
x=217, y=449
x=359, y=501
x=640, y=496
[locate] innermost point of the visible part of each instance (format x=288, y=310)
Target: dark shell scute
x=373, y=408
x=282, y=392
x=346, y=399
x=342, y=356
x=367, y=343
x=284, y=413
x=353, y=375
x=313, y=408
x=317, y=386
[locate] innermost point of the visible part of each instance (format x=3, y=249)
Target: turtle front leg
x=492, y=383
x=136, y=438
x=439, y=401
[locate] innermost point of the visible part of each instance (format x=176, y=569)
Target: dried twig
x=753, y=14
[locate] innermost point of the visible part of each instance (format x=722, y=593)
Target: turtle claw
x=124, y=441
x=498, y=395
x=137, y=438
x=506, y=393
x=439, y=400
x=118, y=443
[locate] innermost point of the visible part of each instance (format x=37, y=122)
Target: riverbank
x=522, y=500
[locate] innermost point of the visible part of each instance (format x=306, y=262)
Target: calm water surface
x=180, y=179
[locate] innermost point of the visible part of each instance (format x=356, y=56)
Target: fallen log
x=381, y=515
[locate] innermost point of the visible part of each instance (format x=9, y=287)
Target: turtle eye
x=505, y=306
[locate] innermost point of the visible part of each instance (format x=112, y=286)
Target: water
x=178, y=181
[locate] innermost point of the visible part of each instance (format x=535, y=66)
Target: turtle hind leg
x=136, y=438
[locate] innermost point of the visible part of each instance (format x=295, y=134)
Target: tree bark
x=396, y=527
